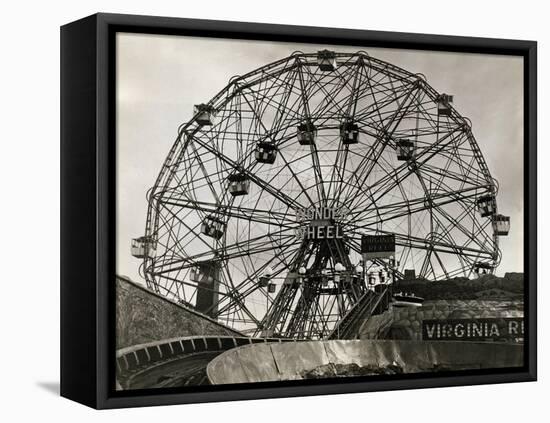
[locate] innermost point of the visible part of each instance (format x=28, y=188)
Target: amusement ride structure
x=305, y=184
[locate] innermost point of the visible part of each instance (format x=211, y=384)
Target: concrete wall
x=459, y=298
x=143, y=316
x=407, y=321
x=377, y=326
x=290, y=361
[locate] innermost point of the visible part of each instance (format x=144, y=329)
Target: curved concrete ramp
x=174, y=362
x=290, y=361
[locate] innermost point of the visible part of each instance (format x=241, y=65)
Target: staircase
x=348, y=327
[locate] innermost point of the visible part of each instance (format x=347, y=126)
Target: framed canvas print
x=254, y=211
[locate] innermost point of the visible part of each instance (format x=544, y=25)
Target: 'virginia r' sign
x=473, y=329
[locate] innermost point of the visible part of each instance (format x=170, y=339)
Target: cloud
x=160, y=78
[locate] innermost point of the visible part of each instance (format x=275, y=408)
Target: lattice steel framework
x=428, y=199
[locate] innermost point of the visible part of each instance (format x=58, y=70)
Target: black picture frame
x=88, y=194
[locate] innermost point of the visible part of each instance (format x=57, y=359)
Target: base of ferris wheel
x=324, y=295
x=374, y=299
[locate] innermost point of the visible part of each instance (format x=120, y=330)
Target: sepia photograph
x=295, y=211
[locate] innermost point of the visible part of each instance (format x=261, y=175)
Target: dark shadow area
x=51, y=387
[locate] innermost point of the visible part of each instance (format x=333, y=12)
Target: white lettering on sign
x=321, y=222
x=319, y=232
x=321, y=213
x=460, y=330
x=516, y=328
x=480, y=329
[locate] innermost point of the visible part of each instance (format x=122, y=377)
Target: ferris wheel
x=258, y=214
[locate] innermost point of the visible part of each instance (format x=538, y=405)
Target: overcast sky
x=160, y=78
